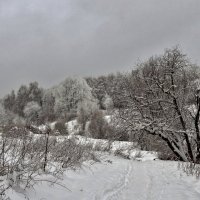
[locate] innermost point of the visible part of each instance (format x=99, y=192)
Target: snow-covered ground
x=143, y=177
x=116, y=178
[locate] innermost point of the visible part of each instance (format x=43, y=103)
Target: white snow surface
x=108, y=118
x=116, y=178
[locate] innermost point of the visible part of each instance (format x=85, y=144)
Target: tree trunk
x=46, y=150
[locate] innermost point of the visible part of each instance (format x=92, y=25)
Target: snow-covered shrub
x=121, y=154
x=20, y=160
x=102, y=146
x=70, y=154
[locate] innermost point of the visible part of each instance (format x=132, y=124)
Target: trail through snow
x=121, y=180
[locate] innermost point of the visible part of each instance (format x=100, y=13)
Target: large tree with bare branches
x=163, y=99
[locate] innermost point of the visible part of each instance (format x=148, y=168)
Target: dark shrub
x=61, y=128
x=97, y=125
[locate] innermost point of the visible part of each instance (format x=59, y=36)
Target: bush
x=153, y=143
x=61, y=128
x=121, y=154
x=70, y=154
x=98, y=127
x=95, y=127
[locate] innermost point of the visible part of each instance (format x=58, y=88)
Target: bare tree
x=46, y=151
x=158, y=98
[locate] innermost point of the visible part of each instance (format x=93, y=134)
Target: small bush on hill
x=61, y=128
x=98, y=127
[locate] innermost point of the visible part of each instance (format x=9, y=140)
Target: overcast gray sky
x=47, y=40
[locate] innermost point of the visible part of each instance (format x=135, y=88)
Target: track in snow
x=152, y=180
x=122, y=180
x=115, y=191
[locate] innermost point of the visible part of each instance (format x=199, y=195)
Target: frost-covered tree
x=70, y=93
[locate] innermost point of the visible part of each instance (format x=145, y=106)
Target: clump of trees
x=36, y=105
x=26, y=103
x=17, y=102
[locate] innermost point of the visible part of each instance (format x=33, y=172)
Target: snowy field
x=115, y=178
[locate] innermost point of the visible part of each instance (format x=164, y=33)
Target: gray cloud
x=48, y=40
